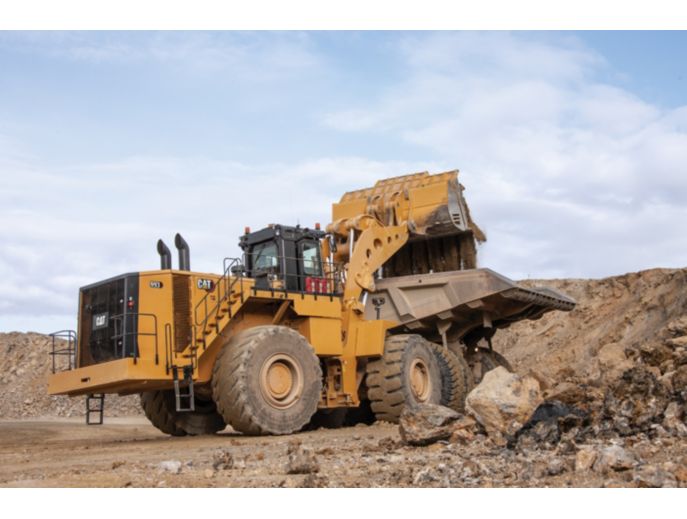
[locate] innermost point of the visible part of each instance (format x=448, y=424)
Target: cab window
x=265, y=256
x=311, y=259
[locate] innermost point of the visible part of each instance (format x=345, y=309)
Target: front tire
x=160, y=408
x=267, y=380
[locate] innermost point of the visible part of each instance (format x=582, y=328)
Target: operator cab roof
x=286, y=232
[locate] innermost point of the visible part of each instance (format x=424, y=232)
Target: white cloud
x=63, y=228
x=569, y=176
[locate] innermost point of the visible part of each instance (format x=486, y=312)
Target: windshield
x=265, y=256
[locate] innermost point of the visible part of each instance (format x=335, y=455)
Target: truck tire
x=454, y=378
x=267, y=380
x=160, y=408
x=408, y=374
x=483, y=360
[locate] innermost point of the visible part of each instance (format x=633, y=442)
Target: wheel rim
x=420, y=381
x=281, y=381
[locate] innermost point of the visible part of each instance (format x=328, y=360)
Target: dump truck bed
x=465, y=300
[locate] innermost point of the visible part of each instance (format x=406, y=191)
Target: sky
x=572, y=146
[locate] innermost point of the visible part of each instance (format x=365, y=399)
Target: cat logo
x=100, y=321
x=205, y=284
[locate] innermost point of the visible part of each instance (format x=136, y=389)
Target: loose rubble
x=222, y=460
x=301, y=459
x=426, y=423
x=171, y=466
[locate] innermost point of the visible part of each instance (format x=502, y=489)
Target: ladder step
x=182, y=393
x=98, y=409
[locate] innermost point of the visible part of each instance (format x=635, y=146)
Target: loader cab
x=285, y=258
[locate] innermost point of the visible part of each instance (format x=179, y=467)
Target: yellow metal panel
x=154, y=298
x=305, y=304
x=369, y=337
x=348, y=209
x=323, y=334
x=100, y=377
x=320, y=306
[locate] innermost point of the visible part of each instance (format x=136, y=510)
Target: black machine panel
x=108, y=320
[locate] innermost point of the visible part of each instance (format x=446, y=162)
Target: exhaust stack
x=184, y=252
x=165, y=255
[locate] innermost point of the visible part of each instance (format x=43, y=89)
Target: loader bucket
x=433, y=205
x=442, y=234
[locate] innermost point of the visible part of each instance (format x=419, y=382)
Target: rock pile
x=24, y=369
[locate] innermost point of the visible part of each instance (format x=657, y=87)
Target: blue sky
x=572, y=146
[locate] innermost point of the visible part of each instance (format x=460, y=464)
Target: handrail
x=169, y=338
x=216, y=290
x=69, y=351
x=328, y=283
x=123, y=320
x=326, y=280
x=223, y=289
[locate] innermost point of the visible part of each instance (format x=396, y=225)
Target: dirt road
x=129, y=452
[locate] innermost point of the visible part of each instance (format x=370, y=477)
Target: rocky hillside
x=637, y=319
x=24, y=369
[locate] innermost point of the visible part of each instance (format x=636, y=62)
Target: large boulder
x=503, y=402
x=426, y=423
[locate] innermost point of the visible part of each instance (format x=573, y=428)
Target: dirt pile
x=618, y=322
x=620, y=356
x=24, y=369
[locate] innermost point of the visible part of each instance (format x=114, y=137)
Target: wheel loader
x=384, y=308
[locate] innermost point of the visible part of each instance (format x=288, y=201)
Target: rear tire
x=454, y=378
x=408, y=374
x=267, y=380
x=160, y=408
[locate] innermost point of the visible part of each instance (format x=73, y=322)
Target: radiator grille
x=182, y=311
x=104, y=332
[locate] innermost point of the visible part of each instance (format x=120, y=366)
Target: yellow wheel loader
x=383, y=309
